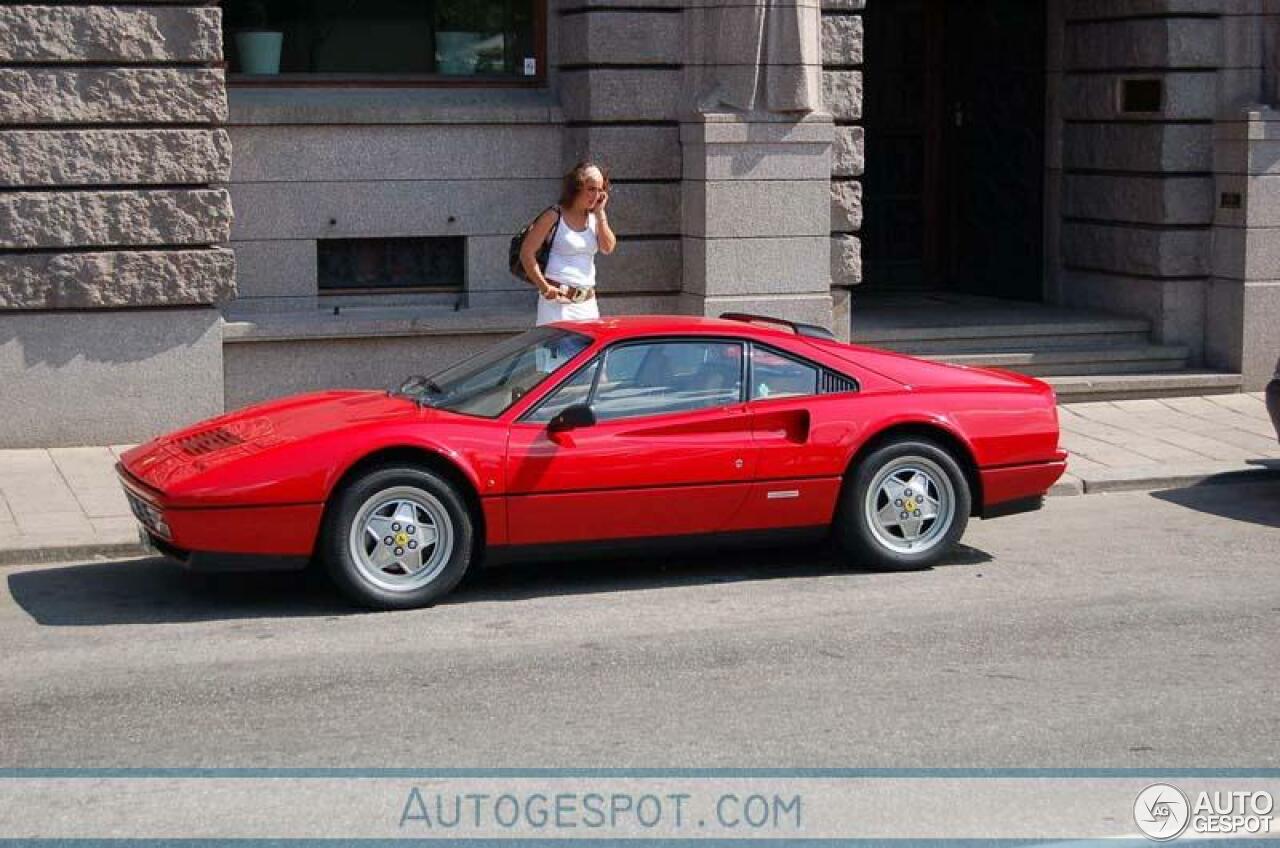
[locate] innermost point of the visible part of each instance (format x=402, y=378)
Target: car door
x=671, y=452
x=799, y=415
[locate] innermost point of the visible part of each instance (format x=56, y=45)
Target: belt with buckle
x=578, y=294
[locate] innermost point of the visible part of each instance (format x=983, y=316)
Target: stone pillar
x=1136, y=97
x=111, y=215
x=757, y=216
x=756, y=191
x=1243, y=315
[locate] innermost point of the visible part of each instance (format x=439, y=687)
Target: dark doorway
x=954, y=110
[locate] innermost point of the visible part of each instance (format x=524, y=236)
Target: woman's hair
x=577, y=178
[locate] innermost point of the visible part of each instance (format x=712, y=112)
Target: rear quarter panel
x=999, y=427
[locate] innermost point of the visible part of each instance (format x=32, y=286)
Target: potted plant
x=258, y=44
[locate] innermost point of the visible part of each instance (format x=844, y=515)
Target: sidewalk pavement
x=62, y=504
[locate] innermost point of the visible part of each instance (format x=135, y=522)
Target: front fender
x=306, y=471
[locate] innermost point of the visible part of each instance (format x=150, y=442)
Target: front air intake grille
x=150, y=517
x=208, y=441
x=833, y=383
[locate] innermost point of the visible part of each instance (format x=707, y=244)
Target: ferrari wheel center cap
x=909, y=505
x=402, y=538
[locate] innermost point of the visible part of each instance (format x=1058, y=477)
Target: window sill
x=373, y=323
x=263, y=105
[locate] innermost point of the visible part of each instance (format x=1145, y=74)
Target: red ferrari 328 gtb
x=643, y=428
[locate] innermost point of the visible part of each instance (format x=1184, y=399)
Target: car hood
x=174, y=458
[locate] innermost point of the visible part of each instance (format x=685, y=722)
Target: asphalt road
x=1122, y=630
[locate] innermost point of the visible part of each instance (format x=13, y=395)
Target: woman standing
x=568, y=284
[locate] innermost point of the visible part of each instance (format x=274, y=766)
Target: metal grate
x=355, y=266
x=209, y=441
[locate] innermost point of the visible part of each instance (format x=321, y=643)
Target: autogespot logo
x=1161, y=812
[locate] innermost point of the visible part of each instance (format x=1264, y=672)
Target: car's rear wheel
x=905, y=505
x=398, y=538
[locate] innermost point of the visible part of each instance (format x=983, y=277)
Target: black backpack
x=544, y=252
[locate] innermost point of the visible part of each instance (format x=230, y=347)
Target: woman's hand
x=553, y=293
x=607, y=240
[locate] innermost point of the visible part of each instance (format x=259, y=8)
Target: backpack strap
x=551, y=239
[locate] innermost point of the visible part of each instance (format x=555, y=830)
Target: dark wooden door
x=900, y=88
x=995, y=169
x=954, y=118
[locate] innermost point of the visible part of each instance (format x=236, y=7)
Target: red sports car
x=645, y=429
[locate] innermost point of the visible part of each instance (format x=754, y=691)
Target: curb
x=72, y=553
x=1163, y=477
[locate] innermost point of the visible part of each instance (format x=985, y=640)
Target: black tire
x=866, y=546
x=439, y=508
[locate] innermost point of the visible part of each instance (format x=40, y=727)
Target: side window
x=650, y=379
x=774, y=376
x=575, y=390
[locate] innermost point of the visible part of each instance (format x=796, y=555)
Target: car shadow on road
x=1256, y=501
x=155, y=591
x=519, y=581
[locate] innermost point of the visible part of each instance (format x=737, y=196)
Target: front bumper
x=284, y=530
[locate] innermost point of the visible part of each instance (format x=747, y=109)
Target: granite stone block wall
x=1158, y=130
x=842, y=34
x=621, y=70
x=1242, y=331
x=385, y=163
x=1133, y=93
x=112, y=204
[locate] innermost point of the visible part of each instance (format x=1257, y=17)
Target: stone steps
x=1079, y=389
x=1074, y=361
x=1085, y=355
x=921, y=341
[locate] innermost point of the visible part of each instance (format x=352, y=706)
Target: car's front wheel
x=398, y=538
x=905, y=505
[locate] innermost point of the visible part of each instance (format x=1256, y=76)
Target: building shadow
x=1253, y=499
x=156, y=591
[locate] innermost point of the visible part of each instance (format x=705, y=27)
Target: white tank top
x=573, y=255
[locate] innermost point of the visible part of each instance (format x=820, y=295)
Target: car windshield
x=487, y=384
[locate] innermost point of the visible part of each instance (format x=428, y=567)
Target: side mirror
x=571, y=418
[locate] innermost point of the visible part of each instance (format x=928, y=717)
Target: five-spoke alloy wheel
x=904, y=506
x=397, y=538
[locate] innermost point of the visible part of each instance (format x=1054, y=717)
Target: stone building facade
x=114, y=220
x=164, y=222
x=1168, y=209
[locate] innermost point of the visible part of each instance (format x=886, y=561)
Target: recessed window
x=300, y=40
x=355, y=266
x=1142, y=95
